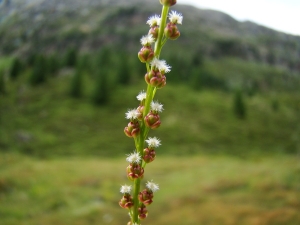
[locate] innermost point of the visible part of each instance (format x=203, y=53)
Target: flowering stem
x=158, y=45
x=140, y=125
x=137, y=184
x=149, y=97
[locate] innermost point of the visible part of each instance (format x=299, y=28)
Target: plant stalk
x=149, y=97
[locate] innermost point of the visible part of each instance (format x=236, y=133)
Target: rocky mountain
x=54, y=25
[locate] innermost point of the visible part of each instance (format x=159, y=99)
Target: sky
x=281, y=15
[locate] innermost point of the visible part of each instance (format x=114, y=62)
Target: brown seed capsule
x=146, y=54
x=152, y=120
x=168, y=2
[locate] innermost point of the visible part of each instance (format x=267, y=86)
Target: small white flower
x=153, y=142
x=161, y=65
x=141, y=96
x=152, y=186
x=126, y=189
x=164, y=68
x=156, y=63
x=134, y=158
x=175, y=17
x=154, y=21
x=132, y=114
x=156, y=106
x=147, y=40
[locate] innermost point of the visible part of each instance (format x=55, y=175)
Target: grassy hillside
x=43, y=120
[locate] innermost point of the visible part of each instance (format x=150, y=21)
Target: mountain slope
x=47, y=26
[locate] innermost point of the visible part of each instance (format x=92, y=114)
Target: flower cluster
x=149, y=152
x=146, y=116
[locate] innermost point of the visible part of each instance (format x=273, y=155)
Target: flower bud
x=143, y=212
x=140, y=109
x=149, y=155
x=134, y=171
x=171, y=31
x=156, y=79
x=126, y=201
x=146, y=54
x=132, y=129
x=168, y=2
x=152, y=120
x=154, y=31
x=146, y=197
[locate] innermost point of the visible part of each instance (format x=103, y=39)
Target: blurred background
x=230, y=130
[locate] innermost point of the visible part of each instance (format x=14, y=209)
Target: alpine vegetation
x=146, y=116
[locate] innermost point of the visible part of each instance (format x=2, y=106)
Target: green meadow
x=193, y=190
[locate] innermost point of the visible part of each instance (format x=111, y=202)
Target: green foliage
x=196, y=79
x=84, y=63
x=71, y=57
x=123, y=71
x=201, y=77
x=197, y=59
x=53, y=64
x=16, y=68
x=275, y=104
x=76, y=87
x=31, y=59
x=239, y=105
x=39, y=71
x=104, y=58
x=2, y=83
x=100, y=95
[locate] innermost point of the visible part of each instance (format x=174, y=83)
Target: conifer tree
x=239, y=105
x=100, y=94
x=71, y=57
x=15, y=69
x=39, y=71
x=103, y=58
x=53, y=64
x=76, y=84
x=31, y=59
x=123, y=73
x=2, y=83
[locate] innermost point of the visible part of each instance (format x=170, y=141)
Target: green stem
x=137, y=184
x=139, y=143
x=158, y=44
